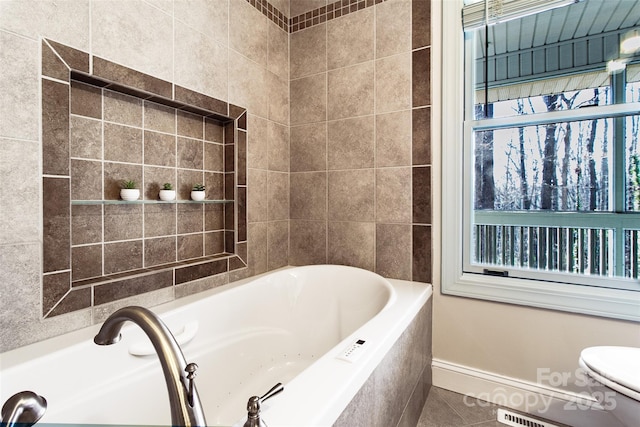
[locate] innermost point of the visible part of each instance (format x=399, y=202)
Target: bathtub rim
x=293, y=406
x=37, y=349
x=358, y=374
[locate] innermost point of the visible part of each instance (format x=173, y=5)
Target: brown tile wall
x=118, y=124
x=360, y=137
x=228, y=50
x=421, y=128
x=252, y=69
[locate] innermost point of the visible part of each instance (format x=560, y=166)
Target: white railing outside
x=595, y=243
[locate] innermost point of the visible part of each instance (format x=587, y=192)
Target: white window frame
x=592, y=300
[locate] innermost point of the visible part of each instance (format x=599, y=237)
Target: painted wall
x=517, y=341
x=226, y=49
x=504, y=339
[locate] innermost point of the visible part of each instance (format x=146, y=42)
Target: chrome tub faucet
x=254, y=404
x=186, y=408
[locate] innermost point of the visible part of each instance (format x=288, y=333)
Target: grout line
x=102, y=186
x=90, y=52
x=411, y=166
x=144, y=261
x=375, y=145
x=44, y=175
x=53, y=79
x=326, y=140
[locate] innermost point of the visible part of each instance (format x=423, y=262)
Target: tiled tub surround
x=247, y=68
x=396, y=391
x=361, y=170
x=360, y=140
x=117, y=124
x=339, y=304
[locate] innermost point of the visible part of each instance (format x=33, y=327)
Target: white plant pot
x=129, y=194
x=197, y=195
x=167, y=195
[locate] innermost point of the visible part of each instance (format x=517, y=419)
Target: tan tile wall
x=360, y=163
x=347, y=76
x=192, y=44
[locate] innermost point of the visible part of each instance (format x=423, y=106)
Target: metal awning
x=560, y=50
x=562, y=84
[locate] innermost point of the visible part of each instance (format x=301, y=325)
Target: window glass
x=553, y=167
x=540, y=189
x=519, y=106
x=632, y=128
x=567, y=52
x=553, y=138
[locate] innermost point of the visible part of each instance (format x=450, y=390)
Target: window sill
x=595, y=301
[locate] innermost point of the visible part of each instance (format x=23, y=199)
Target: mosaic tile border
x=60, y=66
x=271, y=12
x=312, y=17
x=328, y=12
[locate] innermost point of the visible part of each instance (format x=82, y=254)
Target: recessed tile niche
x=103, y=123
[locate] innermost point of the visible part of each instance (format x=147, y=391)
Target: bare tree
x=485, y=193
x=549, y=196
x=593, y=177
x=566, y=159
x=564, y=174
x=604, y=170
x=524, y=183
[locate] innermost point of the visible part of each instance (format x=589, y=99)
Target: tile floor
x=448, y=409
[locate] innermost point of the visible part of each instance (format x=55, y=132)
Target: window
x=546, y=157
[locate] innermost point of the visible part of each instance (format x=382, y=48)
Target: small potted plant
x=197, y=192
x=128, y=191
x=167, y=193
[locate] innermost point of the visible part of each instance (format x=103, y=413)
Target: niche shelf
x=98, y=249
x=148, y=202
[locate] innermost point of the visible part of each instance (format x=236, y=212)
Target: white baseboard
x=546, y=402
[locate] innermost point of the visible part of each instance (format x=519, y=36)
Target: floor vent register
x=516, y=420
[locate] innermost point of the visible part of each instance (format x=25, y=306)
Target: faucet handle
x=191, y=369
x=253, y=406
x=272, y=392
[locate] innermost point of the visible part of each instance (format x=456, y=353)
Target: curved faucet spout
x=23, y=409
x=186, y=408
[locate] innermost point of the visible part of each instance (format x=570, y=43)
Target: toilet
x=614, y=380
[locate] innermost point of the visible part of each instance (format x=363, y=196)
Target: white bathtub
x=289, y=326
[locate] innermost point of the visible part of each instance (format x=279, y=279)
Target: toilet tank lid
x=618, y=364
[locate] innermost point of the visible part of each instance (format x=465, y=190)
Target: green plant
x=167, y=186
x=198, y=187
x=128, y=184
